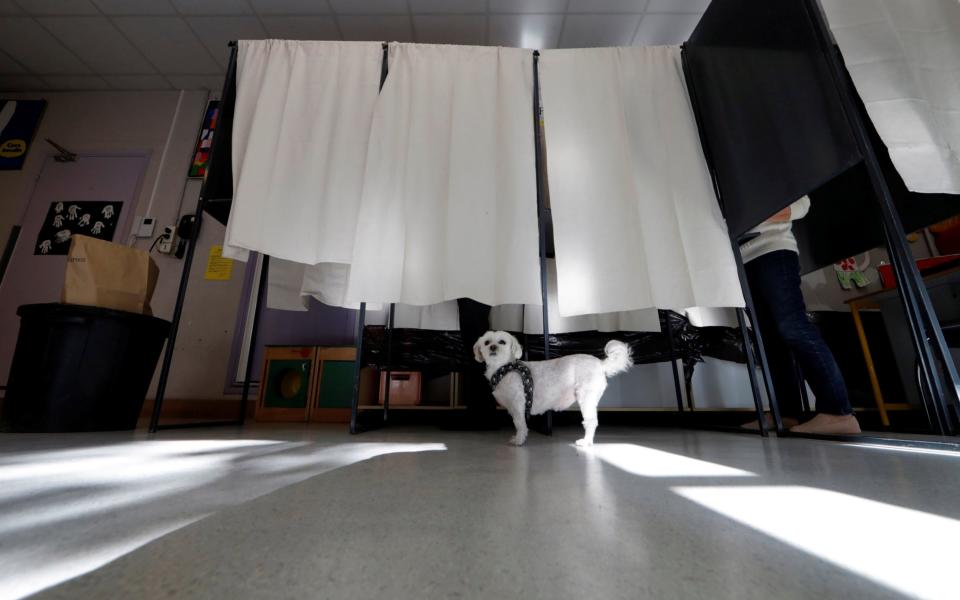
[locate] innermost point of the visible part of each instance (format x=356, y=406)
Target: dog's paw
x=518, y=440
x=584, y=442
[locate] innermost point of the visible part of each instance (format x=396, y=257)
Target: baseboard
x=199, y=409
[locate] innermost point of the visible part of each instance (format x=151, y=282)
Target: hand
x=781, y=217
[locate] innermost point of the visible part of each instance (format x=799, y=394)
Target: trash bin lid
x=57, y=311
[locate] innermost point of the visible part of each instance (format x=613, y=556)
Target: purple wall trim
x=322, y=325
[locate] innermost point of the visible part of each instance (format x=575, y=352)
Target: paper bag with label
x=109, y=275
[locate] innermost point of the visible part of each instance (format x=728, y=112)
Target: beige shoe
x=755, y=425
x=829, y=425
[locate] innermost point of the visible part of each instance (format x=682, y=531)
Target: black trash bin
x=81, y=368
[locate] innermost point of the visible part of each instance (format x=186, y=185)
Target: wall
x=124, y=122
x=822, y=291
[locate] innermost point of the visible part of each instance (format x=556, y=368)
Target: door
x=33, y=276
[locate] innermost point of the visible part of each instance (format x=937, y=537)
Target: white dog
x=556, y=383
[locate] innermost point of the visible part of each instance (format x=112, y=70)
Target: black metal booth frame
x=941, y=385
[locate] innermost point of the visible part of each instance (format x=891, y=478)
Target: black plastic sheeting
x=417, y=349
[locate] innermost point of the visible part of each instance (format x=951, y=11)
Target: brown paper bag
x=109, y=275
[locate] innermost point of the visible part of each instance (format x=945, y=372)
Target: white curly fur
x=557, y=383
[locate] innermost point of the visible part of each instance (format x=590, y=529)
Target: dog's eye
x=486, y=343
x=502, y=343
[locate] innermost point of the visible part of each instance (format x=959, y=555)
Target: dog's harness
x=525, y=376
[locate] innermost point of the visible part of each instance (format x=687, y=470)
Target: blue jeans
x=788, y=334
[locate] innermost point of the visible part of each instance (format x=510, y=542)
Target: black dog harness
x=525, y=376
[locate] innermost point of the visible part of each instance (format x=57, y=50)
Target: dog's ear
x=516, y=350
x=476, y=351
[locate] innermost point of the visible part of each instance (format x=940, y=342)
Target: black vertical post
x=541, y=216
x=673, y=359
x=761, y=352
x=187, y=264
x=923, y=321
x=744, y=285
x=251, y=349
x=357, y=363
x=362, y=313
x=752, y=371
x=389, y=365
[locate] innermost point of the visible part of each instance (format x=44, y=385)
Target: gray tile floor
x=308, y=512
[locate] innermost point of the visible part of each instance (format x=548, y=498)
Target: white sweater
x=775, y=236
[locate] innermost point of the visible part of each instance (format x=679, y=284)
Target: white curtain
x=529, y=318
x=636, y=222
x=904, y=58
x=300, y=134
x=449, y=205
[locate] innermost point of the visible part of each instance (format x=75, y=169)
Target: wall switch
x=165, y=245
x=145, y=226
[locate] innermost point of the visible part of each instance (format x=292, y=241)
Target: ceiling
x=182, y=44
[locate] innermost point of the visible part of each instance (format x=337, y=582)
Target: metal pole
x=386, y=391
x=541, y=217
x=920, y=314
x=741, y=273
x=761, y=351
x=251, y=349
x=362, y=313
x=187, y=264
x=673, y=360
x=752, y=372
x=354, y=406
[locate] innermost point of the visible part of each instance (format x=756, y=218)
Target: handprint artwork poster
x=66, y=219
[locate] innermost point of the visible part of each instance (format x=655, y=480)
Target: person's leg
x=789, y=313
x=779, y=359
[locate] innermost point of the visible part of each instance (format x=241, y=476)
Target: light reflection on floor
x=65, y=512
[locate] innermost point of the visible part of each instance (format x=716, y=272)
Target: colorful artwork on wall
x=201, y=154
x=66, y=219
x=18, y=123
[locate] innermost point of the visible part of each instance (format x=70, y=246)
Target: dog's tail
x=618, y=358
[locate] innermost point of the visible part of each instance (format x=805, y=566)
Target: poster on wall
x=201, y=154
x=18, y=123
x=66, y=219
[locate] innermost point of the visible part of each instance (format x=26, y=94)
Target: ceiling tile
x=8, y=7
x=196, y=82
x=427, y=7
x=525, y=31
x=135, y=7
x=21, y=83
x=678, y=6
x=98, y=44
x=607, y=6
x=138, y=82
x=8, y=66
x=217, y=32
x=664, y=30
x=450, y=29
x=589, y=31
x=388, y=28
x=31, y=46
x=528, y=6
x=369, y=7
x=301, y=28
x=75, y=82
x=59, y=7
x=291, y=7
x=169, y=44
x=212, y=7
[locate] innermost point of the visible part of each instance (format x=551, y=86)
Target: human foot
x=829, y=425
